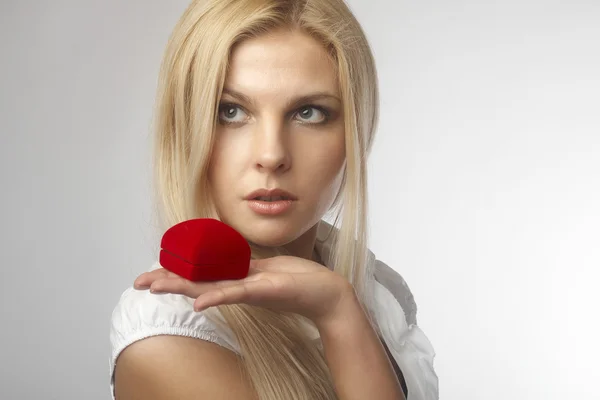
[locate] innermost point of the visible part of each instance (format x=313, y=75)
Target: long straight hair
x=278, y=354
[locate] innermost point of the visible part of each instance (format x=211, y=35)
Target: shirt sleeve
x=407, y=343
x=140, y=314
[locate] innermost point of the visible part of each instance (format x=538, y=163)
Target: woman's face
x=281, y=126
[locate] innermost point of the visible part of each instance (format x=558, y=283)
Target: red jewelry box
x=205, y=249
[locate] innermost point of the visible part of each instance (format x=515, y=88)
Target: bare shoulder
x=177, y=367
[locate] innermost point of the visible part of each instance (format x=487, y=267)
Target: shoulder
x=140, y=314
x=167, y=367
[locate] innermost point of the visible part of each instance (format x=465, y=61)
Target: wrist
x=347, y=309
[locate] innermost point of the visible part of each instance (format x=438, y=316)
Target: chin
x=267, y=242
x=278, y=234
x=267, y=232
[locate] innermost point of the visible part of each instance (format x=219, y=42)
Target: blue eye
x=307, y=112
x=228, y=113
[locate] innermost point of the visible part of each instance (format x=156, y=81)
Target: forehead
x=284, y=61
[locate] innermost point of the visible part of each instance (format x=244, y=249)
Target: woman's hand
x=282, y=283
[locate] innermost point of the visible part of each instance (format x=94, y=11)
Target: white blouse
x=140, y=314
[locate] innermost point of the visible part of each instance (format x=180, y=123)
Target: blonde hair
x=277, y=353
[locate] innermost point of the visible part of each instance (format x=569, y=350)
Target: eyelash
x=326, y=113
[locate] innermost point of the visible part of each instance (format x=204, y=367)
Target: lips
x=270, y=195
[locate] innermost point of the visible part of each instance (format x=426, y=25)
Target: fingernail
x=138, y=283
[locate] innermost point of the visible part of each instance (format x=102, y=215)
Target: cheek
x=214, y=168
x=326, y=173
x=221, y=168
x=330, y=188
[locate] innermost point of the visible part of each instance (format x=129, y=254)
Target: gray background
x=484, y=185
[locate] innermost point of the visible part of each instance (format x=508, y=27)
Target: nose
x=271, y=147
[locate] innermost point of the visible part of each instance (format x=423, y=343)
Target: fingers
x=254, y=292
x=145, y=280
x=186, y=287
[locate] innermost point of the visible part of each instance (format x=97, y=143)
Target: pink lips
x=270, y=207
x=271, y=193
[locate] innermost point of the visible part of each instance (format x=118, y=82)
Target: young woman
x=266, y=114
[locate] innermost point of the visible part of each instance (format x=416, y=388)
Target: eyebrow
x=290, y=103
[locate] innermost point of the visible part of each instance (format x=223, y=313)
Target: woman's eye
x=309, y=115
x=312, y=115
x=231, y=114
